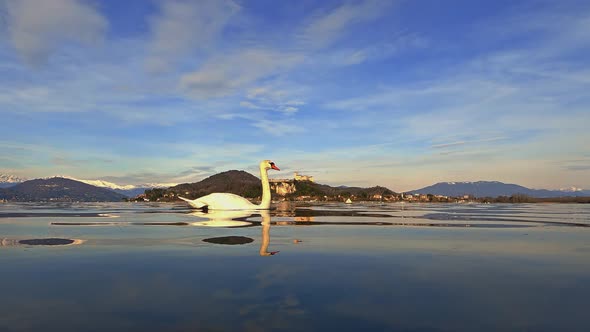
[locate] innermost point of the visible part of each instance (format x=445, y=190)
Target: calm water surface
x=369, y=267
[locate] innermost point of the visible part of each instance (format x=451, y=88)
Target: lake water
x=311, y=267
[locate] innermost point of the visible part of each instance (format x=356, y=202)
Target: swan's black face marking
x=272, y=165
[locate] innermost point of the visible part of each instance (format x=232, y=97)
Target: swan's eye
x=272, y=164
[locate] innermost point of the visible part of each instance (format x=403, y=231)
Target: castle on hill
x=298, y=177
x=287, y=186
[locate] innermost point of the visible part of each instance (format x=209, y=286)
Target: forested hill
x=247, y=185
x=235, y=182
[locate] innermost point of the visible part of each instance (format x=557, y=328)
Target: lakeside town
x=303, y=188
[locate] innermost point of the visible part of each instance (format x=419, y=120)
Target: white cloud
x=354, y=56
x=289, y=109
x=223, y=75
x=273, y=98
x=277, y=128
x=251, y=105
x=324, y=29
x=183, y=27
x=467, y=142
x=39, y=28
x=256, y=92
x=446, y=145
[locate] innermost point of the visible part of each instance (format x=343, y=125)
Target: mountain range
x=58, y=189
x=7, y=181
x=244, y=184
x=494, y=189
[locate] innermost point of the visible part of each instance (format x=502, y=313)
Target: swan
x=227, y=201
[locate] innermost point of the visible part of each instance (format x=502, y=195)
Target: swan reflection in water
x=221, y=218
x=227, y=219
x=265, y=235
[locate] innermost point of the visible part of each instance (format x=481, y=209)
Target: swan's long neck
x=265, y=204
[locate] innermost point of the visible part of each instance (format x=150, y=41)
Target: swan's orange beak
x=273, y=166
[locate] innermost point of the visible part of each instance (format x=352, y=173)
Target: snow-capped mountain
x=494, y=189
x=111, y=185
x=7, y=180
x=129, y=190
x=571, y=189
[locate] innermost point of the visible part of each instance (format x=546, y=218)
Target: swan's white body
x=222, y=201
x=227, y=201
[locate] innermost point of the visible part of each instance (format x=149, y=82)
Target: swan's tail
x=195, y=203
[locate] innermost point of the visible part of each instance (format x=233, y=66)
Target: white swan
x=227, y=201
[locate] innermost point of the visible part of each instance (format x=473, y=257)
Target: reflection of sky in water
x=342, y=277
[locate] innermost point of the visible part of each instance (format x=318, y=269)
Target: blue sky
x=396, y=93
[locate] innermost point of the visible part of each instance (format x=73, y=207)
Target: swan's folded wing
x=195, y=203
x=226, y=201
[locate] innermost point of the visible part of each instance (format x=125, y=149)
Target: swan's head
x=268, y=164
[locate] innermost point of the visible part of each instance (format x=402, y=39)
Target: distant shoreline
x=449, y=200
